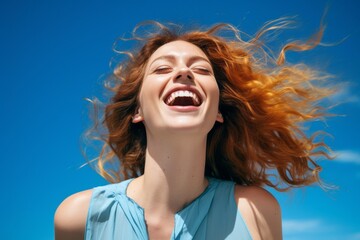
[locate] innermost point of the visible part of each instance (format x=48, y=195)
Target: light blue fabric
x=211, y=216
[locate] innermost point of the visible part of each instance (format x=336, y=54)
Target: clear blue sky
x=52, y=54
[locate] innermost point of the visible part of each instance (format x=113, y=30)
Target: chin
x=189, y=125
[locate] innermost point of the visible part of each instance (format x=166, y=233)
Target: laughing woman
x=197, y=126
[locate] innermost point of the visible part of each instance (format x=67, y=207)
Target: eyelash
x=202, y=69
x=163, y=69
x=166, y=69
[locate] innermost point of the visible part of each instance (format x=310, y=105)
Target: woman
x=197, y=125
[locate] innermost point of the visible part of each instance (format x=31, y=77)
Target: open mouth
x=183, y=98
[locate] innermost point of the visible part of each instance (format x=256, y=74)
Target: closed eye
x=163, y=70
x=202, y=70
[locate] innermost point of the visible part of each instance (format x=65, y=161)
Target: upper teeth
x=182, y=93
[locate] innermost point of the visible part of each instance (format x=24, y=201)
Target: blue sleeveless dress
x=212, y=216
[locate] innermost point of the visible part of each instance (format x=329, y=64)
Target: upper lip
x=184, y=88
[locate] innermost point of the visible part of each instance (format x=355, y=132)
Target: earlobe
x=137, y=117
x=219, y=117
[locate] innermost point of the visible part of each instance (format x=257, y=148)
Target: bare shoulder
x=70, y=216
x=260, y=210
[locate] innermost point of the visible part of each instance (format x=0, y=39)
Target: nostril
x=184, y=75
x=188, y=76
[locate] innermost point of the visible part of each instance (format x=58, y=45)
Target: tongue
x=183, y=101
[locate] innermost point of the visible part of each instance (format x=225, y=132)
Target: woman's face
x=179, y=90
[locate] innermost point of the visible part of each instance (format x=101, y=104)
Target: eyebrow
x=172, y=58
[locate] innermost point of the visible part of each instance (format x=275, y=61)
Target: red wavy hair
x=264, y=102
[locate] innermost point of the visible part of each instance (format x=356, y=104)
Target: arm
x=70, y=216
x=261, y=212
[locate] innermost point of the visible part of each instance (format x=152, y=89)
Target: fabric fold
x=213, y=215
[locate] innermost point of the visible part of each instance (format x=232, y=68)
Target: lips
x=183, y=97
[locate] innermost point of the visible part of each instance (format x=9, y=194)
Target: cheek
x=213, y=89
x=146, y=90
x=153, y=85
x=149, y=94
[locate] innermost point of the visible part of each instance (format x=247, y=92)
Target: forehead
x=178, y=49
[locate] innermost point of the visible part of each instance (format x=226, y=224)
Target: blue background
x=53, y=54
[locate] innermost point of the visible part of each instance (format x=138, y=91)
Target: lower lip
x=184, y=108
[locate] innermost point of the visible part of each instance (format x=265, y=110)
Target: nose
x=184, y=74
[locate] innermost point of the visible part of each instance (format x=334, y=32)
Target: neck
x=173, y=175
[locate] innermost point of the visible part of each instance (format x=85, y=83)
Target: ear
x=137, y=117
x=219, y=117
